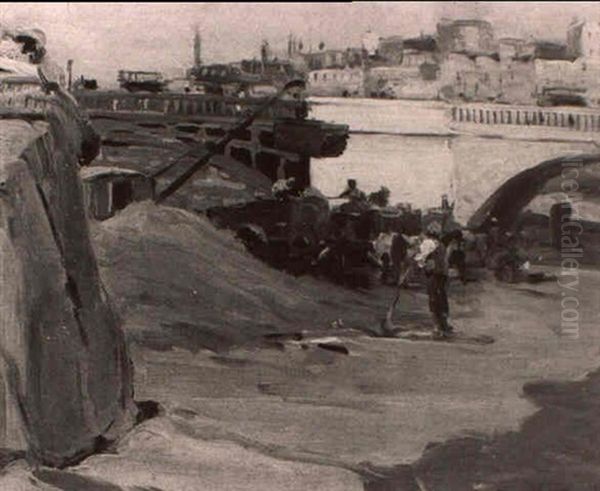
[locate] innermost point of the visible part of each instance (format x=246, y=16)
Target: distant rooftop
x=550, y=50
x=465, y=22
x=478, y=54
x=328, y=51
x=390, y=39
x=421, y=43
x=511, y=40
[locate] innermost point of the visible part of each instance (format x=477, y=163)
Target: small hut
x=110, y=189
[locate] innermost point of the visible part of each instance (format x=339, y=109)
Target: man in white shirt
x=283, y=188
x=432, y=259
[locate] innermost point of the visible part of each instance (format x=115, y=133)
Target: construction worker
x=284, y=188
x=455, y=250
x=432, y=259
x=357, y=200
x=352, y=192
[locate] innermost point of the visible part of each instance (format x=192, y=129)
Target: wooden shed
x=110, y=189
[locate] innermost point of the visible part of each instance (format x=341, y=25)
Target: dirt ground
x=243, y=412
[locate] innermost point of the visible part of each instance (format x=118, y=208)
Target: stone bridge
x=279, y=143
x=504, y=156
x=507, y=174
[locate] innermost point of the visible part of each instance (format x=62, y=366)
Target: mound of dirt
x=178, y=281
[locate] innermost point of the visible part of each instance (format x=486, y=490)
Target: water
x=402, y=145
x=384, y=116
x=416, y=170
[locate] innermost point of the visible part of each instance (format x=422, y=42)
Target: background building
x=391, y=49
x=467, y=35
x=331, y=58
x=583, y=41
x=416, y=51
x=337, y=82
x=517, y=78
x=401, y=82
x=370, y=43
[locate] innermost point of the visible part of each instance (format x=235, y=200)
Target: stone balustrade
x=578, y=119
x=182, y=104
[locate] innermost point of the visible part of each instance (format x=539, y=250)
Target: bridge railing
x=181, y=104
x=578, y=120
x=34, y=101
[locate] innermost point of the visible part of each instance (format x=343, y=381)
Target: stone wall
x=65, y=375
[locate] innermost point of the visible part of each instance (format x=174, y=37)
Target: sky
x=101, y=38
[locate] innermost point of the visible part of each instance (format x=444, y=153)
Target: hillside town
x=462, y=60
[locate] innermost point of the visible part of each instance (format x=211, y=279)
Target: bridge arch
x=519, y=190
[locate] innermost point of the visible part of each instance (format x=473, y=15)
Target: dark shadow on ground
x=186, y=336
x=556, y=449
x=68, y=481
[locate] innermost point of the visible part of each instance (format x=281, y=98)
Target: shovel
x=387, y=325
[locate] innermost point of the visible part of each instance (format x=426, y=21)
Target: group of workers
x=431, y=252
x=284, y=188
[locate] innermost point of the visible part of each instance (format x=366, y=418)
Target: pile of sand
x=179, y=281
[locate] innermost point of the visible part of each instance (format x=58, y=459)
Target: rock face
x=65, y=377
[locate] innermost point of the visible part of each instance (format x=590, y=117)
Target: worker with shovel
x=429, y=254
x=432, y=259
